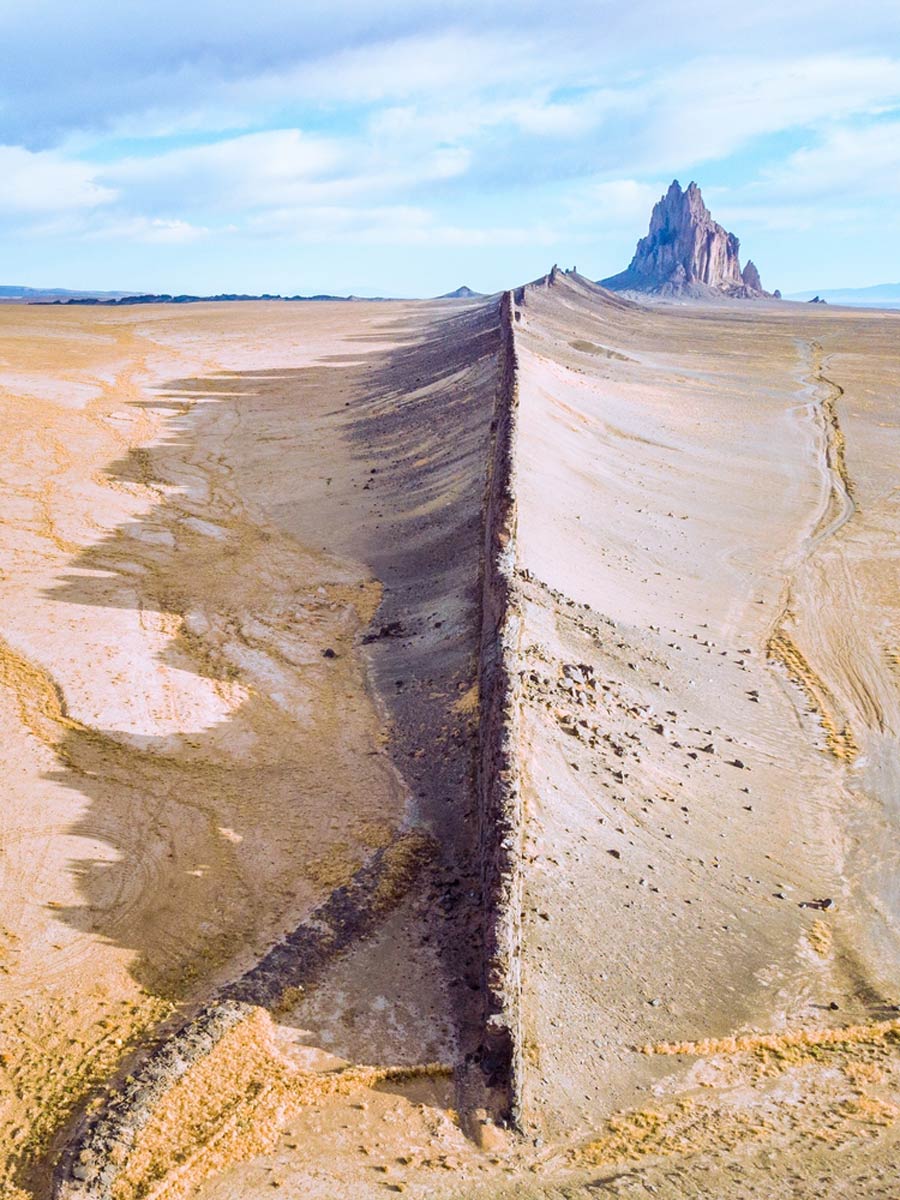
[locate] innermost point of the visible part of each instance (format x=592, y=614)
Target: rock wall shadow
x=286, y=494
x=426, y=420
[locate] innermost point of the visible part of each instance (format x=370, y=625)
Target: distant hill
x=166, y=298
x=69, y=296
x=32, y=295
x=15, y=292
x=881, y=295
x=461, y=293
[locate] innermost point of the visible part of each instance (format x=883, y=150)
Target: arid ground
x=450, y=748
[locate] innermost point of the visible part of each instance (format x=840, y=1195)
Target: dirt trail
x=829, y=611
x=836, y=509
x=840, y=485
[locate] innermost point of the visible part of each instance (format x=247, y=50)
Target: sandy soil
x=711, y=709
x=187, y=773
x=241, y=564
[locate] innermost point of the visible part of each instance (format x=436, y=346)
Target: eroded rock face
x=686, y=252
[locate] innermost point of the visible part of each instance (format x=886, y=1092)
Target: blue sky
x=406, y=148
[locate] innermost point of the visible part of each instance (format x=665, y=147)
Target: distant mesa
x=879, y=295
x=687, y=253
x=817, y=300
x=462, y=293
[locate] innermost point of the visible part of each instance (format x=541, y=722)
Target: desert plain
x=450, y=748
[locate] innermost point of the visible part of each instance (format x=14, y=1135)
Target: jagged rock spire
x=750, y=276
x=687, y=252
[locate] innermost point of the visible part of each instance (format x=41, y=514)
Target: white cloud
x=393, y=225
x=46, y=182
x=529, y=110
x=834, y=184
x=279, y=168
x=617, y=202
x=457, y=87
x=234, y=172
x=848, y=161
x=69, y=67
x=451, y=64
x=710, y=108
x=664, y=122
x=151, y=230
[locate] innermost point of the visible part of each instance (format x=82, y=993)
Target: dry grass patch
x=805, y=1041
x=231, y=1106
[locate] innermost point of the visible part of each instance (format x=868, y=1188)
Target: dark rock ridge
x=687, y=253
x=97, y=1154
x=166, y=298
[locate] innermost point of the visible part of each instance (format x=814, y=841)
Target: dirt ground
x=241, y=555
x=711, y=716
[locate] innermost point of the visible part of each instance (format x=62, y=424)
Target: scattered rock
x=391, y=630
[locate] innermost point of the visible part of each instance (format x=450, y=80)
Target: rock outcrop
x=687, y=253
x=750, y=276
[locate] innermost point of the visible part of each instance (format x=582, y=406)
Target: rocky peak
x=686, y=252
x=750, y=276
x=461, y=293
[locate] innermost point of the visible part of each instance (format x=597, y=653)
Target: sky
x=303, y=146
